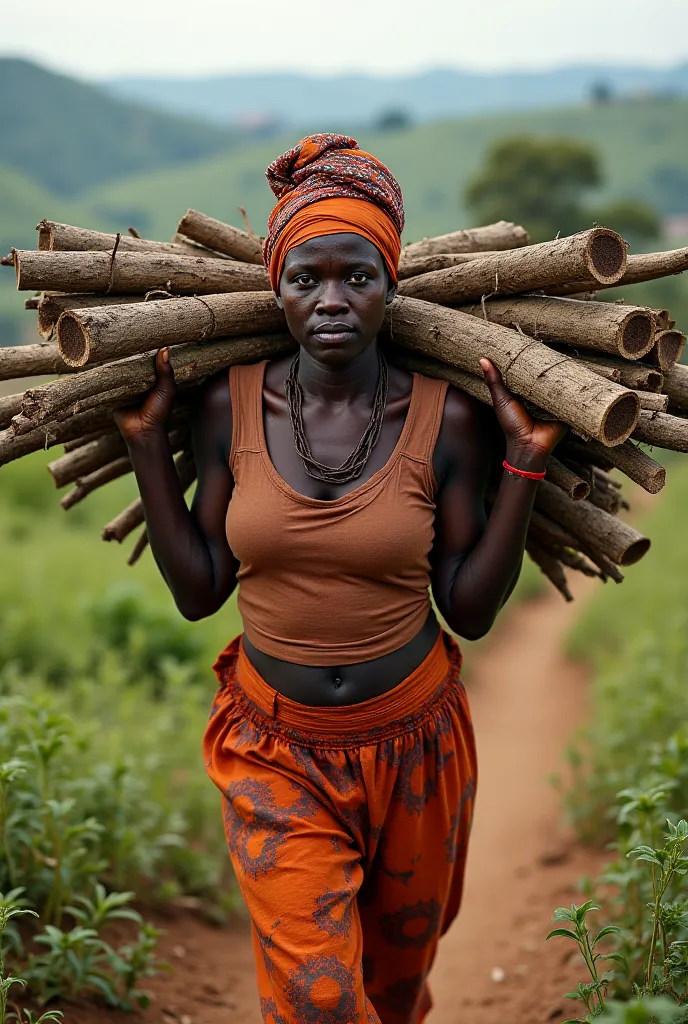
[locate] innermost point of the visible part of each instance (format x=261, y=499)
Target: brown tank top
x=332, y=582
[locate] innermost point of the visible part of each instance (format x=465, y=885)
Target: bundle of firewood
x=106, y=303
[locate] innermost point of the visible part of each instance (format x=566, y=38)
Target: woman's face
x=334, y=290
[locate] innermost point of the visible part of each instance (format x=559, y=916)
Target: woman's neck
x=355, y=380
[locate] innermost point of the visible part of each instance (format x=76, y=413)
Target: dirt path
x=526, y=700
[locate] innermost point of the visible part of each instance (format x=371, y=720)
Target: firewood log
x=676, y=386
x=644, y=266
x=412, y=266
x=627, y=331
x=30, y=361
x=68, y=468
x=590, y=404
x=502, y=235
x=132, y=516
x=102, y=334
x=85, y=485
x=598, y=252
x=667, y=349
x=561, y=476
x=652, y=401
x=52, y=305
x=10, y=405
x=53, y=236
x=214, y=234
x=571, y=559
x=638, y=376
x=551, y=567
x=32, y=302
x=609, y=535
x=135, y=272
x=630, y=460
x=138, y=548
x=662, y=430
x=14, y=446
x=135, y=375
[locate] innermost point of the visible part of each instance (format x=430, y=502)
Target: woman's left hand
x=529, y=442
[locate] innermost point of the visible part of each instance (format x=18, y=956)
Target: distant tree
x=601, y=93
x=392, y=120
x=637, y=222
x=538, y=182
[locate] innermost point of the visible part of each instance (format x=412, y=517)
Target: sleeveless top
x=332, y=582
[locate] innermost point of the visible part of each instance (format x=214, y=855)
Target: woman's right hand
x=148, y=420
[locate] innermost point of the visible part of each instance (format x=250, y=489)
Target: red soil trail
x=526, y=700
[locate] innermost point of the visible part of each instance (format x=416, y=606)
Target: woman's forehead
x=343, y=247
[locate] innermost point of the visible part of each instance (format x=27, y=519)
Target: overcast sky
x=178, y=37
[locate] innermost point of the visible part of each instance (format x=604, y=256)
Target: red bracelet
x=524, y=472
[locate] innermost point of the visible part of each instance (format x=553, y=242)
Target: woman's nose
x=331, y=299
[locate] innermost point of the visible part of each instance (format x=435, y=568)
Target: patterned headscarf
x=357, y=192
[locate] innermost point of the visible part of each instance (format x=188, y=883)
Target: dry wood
x=215, y=234
x=52, y=305
x=662, y=430
x=570, y=558
x=607, y=534
x=502, y=235
x=13, y=446
x=609, y=500
x=638, y=376
x=548, y=533
x=79, y=442
x=412, y=266
x=32, y=302
x=30, y=361
x=88, y=458
x=552, y=568
x=132, y=516
x=136, y=272
x=632, y=461
x=652, y=401
x=128, y=378
x=585, y=401
x=85, y=485
x=138, y=548
x=429, y=367
x=98, y=335
x=676, y=386
x=645, y=266
x=667, y=349
x=627, y=331
x=598, y=252
x=10, y=405
x=561, y=476
x=53, y=236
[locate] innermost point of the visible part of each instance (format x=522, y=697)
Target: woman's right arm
x=189, y=545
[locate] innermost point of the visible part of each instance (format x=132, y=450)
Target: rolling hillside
x=68, y=135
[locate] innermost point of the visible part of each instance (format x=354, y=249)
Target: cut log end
x=72, y=341
x=620, y=419
x=636, y=335
x=606, y=256
x=637, y=550
x=667, y=350
x=45, y=236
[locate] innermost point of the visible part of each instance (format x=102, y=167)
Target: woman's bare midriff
x=335, y=686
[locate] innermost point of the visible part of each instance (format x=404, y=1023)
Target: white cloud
x=174, y=37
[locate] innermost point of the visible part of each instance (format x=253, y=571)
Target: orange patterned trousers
x=348, y=830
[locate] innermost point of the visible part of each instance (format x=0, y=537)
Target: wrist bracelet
x=523, y=472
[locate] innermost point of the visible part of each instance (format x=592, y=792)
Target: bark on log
x=499, y=236
x=667, y=349
x=85, y=485
x=32, y=302
x=551, y=567
x=633, y=462
x=546, y=532
x=571, y=559
x=138, y=548
x=676, y=386
x=136, y=272
x=428, y=367
x=662, y=430
x=627, y=331
x=94, y=456
x=132, y=516
x=52, y=305
x=55, y=237
x=556, y=383
x=98, y=335
x=412, y=266
x=30, y=361
x=79, y=442
x=607, y=534
x=215, y=234
x=10, y=405
x=644, y=266
x=637, y=376
x=13, y=446
x=131, y=377
x=652, y=401
x=609, y=500
x=599, y=252
x=561, y=476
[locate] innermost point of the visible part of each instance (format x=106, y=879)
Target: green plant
x=592, y=993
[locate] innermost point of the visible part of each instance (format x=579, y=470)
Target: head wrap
x=326, y=185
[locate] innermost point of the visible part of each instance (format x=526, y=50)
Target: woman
x=334, y=489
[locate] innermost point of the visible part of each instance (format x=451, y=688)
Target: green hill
x=68, y=135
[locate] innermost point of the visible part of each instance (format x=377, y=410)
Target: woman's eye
x=359, y=277
x=304, y=279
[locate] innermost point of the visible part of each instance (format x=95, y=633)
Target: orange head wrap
x=326, y=185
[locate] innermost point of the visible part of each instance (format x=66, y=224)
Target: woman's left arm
x=476, y=562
